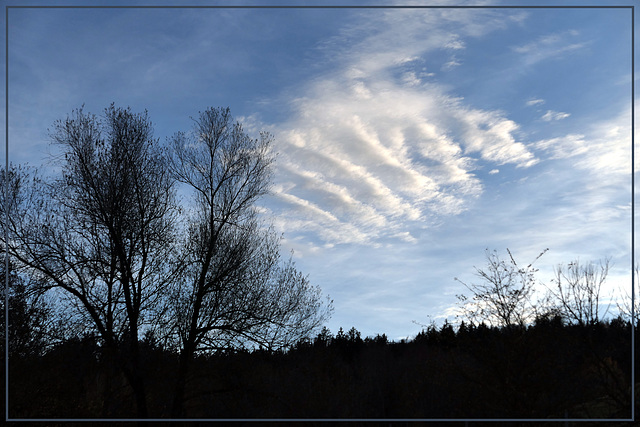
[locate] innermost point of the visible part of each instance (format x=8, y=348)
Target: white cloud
x=494, y=171
x=455, y=43
x=411, y=79
x=554, y=115
x=308, y=217
x=491, y=135
x=609, y=149
x=549, y=46
x=372, y=155
x=563, y=147
x=535, y=101
x=407, y=60
x=451, y=64
x=594, y=169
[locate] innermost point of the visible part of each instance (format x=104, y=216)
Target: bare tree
x=29, y=316
x=628, y=307
x=108, y=238
x=577, y=288
x=505, y=295
x=235, y=289
x=102, y=232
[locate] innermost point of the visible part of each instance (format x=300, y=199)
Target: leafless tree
x=628, y=307
x=577, y=289
x=234, y=286
x=108, y=238
x=28, y=313
x=101, y=232
x=504, y=297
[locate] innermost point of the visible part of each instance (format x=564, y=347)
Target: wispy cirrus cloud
x=451, y=64
x=550, y=46
x=604, y=149
x=535, y=101
x=371, y=154
x=551, y=115
x=563, y=147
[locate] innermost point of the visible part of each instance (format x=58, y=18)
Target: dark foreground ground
x=547, y=371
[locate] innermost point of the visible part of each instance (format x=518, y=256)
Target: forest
x=550, y=369
x=144, y=283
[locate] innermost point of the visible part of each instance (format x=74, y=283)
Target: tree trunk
x=137, y=378
x=136, y=381
x=140, y=395
x=177, y=409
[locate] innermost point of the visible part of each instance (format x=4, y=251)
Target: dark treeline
x=550, y=369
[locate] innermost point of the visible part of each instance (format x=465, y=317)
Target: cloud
x=534, y=101
x=594, y=168
x=455, y=43
x=549, y=46
x=371, y=153
x=563, y=147
x=554, y=115
x=451, y=64
x=411, y=79
x=608, y=153
x=490, y=134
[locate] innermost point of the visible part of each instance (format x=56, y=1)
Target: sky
x=409, y=140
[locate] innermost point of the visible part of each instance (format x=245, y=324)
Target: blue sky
x=409, y=140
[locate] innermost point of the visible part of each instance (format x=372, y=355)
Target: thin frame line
x=6, y=228
x=453, y=420
x=322, y=7
x=633, y=229
x=325, y=7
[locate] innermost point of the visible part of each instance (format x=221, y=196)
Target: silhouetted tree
x=324, y=338
x=379, y=340
x=354, y=336
x=504, y=296
x=28, y=316
x=629, y=307
x=340, y=337
x=109, y=240
x=101, y=233
x=234, y=288
x=577, y=290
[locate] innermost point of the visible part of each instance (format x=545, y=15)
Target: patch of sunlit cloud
x=549, y=46
x=455, y=43
x=411, y=79
x=392, y=159
x=451, y=64
x=563, y=147
x=604, y=149
x=609, y=150
x=551, y=115
x=534, y=101
x=492, y=135
x=369, y=154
